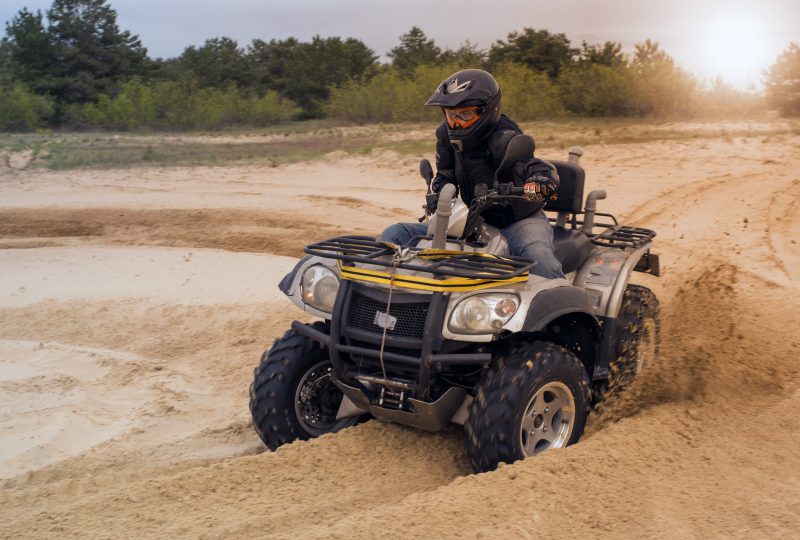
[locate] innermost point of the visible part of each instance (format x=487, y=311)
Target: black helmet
x=469, y=88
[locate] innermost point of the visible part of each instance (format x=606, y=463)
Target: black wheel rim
x=317, y=400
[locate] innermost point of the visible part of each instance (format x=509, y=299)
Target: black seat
x=572, y=247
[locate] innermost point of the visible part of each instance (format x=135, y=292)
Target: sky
x=733, y=39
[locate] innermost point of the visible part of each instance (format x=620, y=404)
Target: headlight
x=483, y=313
x=318, y=287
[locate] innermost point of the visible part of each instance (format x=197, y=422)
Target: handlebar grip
x=516, y=191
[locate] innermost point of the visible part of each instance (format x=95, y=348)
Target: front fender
x=551, y=304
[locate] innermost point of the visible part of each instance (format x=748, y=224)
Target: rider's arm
x=539, y=178
x=445, y=160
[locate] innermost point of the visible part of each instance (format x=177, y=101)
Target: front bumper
x=411, y=361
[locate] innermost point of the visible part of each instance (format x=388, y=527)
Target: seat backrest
x=570, y=189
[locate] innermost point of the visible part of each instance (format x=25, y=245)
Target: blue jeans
x=530, y=238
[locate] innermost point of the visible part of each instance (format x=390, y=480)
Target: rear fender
x=605, y=277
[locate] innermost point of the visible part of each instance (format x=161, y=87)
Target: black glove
x=540, y=187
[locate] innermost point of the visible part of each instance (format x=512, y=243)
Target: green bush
x=269, y=109
x=365, y=101
x=527, y=94
x=181, y=105
x=723, y=100
x=651, y=85
x=21, y=110
x=598, y=90
x=662, y=90
x=389, y=97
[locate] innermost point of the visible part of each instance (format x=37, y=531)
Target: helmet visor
x=461, y=117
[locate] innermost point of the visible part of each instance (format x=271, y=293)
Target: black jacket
x=467, y=169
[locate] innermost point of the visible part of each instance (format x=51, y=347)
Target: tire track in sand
x=783, y=229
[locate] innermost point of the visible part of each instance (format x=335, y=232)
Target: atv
x=452, y=329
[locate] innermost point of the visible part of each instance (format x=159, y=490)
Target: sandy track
x=705, y=445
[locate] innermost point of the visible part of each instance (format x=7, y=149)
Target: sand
x=135, y=303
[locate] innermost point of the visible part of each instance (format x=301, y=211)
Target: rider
x=470, y=144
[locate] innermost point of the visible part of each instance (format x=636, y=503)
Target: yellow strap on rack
x=456, y=284
x=433, y=254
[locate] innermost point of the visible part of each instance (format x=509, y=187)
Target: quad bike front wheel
x=292, y=395
x=532, y=399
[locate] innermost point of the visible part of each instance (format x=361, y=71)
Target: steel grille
x=410, y=316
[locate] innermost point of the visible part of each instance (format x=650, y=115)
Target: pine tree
x=81, y=54
x=415, y=49
x=538, y=49
x=30, y=55
x=782, y=82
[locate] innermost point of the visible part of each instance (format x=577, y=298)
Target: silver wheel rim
x=317, y=399
x=548, y=419
x=646, y=350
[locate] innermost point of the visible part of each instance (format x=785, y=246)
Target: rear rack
x=614, y=235
x=366, y=250
x=622, y=237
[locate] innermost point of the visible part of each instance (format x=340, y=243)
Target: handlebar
x=506, y=190
x=503, y=195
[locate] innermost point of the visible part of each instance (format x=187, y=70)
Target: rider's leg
x=532, y=239
x=401, y=233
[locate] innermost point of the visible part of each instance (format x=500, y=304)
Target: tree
x=305, y=72
x=662, y=89
x=468, y=55
x=415, y=49
x=599, y=83
x=218, y=63
x=538, y=49
x=782, y=81
x=30, y=55
x=6, y=77
x=609, y=54
x=649, y=53
x=269, y=62
x=81, y=54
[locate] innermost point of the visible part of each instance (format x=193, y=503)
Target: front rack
x=441, y=264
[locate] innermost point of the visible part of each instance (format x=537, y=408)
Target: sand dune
x=123, y=387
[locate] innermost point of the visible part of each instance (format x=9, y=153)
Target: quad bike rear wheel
x=532, y=399
x=292, y=395
x=638, y=335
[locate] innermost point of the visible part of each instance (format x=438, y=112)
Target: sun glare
x=736, y=47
